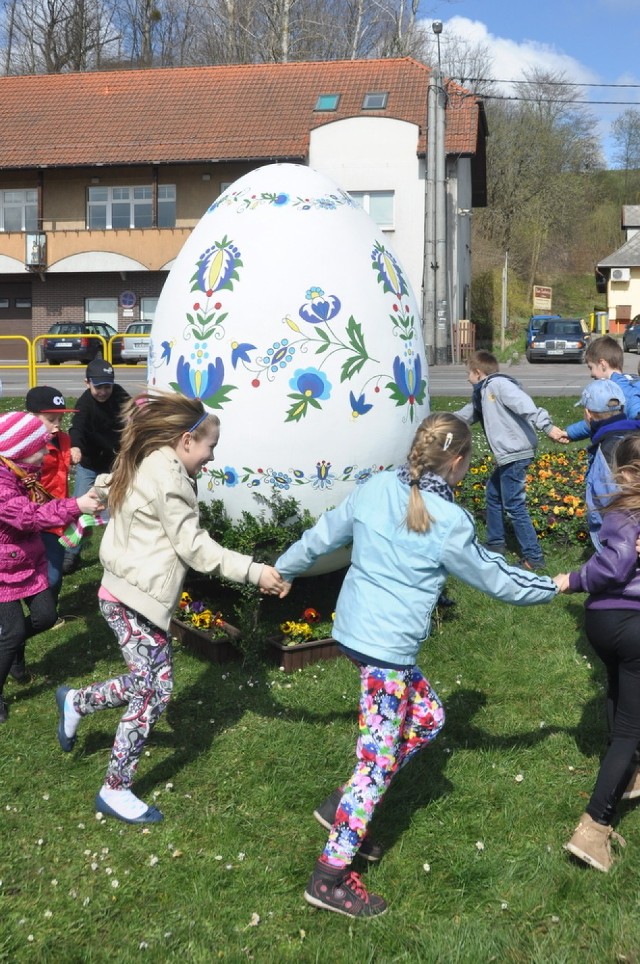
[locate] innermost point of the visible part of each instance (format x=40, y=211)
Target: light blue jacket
x=396, y=576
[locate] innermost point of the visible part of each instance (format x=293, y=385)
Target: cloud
x=512, y=59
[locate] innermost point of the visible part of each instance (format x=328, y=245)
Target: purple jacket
x=612, y=575
x=23, y=564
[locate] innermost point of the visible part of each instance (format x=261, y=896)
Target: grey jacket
x=510, y=418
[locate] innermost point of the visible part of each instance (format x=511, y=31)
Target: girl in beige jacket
x=152, y=539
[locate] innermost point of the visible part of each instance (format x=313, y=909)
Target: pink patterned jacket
x=23, y=564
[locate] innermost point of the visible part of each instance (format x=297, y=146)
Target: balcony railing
x=149, y=248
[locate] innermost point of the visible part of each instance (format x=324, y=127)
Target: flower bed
x=304, y=641
x=205, y=632
x=555, y=494
x=291, y=657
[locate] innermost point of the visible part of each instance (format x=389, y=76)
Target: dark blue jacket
x=600, y=484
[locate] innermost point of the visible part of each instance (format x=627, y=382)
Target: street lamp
x=436, y=26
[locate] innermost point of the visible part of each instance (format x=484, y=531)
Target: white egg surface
x=288, y=314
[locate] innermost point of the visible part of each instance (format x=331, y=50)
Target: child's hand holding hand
x=559, y=435
x=272, y=584
x=90, y=502
x=562, y=581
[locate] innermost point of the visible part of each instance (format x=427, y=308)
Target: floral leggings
x=399, y=714
x=145, y=689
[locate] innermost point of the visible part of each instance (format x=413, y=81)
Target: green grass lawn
x=474, y=869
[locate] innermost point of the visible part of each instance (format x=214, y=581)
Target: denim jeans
x=506, y=494
x=55, y=557
x=84, y=481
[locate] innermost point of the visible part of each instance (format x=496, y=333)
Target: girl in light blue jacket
x=407, y=536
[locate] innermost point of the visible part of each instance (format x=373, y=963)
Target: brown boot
x=633, y=789
x=591, y=843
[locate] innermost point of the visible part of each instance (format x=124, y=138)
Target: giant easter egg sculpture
x=287, y=313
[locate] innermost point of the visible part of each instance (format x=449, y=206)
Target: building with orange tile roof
x=103, y=175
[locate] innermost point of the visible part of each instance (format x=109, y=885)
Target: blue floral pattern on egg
x=289, y=315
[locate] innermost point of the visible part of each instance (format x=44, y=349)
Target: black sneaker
x=499, y=547
x=325, y=814
x=342, y=891
x=70, y=563
x=4, y=711
x=20, y=673
x=532, y=565
x=445, y=602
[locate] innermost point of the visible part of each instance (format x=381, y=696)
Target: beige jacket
x=155, y=537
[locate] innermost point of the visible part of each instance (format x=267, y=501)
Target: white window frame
x=102, y=309
x=367, y=201
x=148, y=308
x=23, y=201
x=108, y=200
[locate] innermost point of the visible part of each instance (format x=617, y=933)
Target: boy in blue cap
x=604, y=410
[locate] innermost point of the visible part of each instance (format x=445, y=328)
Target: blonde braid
x=439, y=440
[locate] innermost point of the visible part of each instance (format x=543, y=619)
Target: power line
x=543, y=83
x=559, y=100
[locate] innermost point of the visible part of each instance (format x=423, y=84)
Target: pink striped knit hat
x=21, y=435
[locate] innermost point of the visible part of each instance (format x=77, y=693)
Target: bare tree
x=469, y=64
x=7, y=32
x=51, y=36
x=626, y=135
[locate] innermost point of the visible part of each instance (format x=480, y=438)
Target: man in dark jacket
x=95, y=434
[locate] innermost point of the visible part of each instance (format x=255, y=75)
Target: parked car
x=79, y=348
x=535, y=321
x=559, y=339
x=136, y=349
x=631, y=336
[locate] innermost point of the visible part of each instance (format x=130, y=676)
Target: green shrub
x=279, y=522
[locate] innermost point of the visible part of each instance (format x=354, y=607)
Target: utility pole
x=435, y=305
x=442, y=303
x=429, y=263
x=505, y=288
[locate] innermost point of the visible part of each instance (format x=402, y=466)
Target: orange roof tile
x=186, y=114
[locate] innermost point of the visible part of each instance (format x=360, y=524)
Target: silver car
x=136, y=349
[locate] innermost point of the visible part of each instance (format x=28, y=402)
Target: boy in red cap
x=49, y=405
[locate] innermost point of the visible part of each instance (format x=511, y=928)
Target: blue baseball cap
x=601, y=396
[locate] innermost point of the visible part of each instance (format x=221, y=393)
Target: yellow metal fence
x=32, y=365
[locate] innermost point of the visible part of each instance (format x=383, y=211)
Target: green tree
x=541, y=157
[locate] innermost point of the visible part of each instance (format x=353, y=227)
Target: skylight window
x=375, y=100
x=327, y=102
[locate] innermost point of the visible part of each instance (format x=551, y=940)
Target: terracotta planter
x=292, y=658
x=217, y=649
